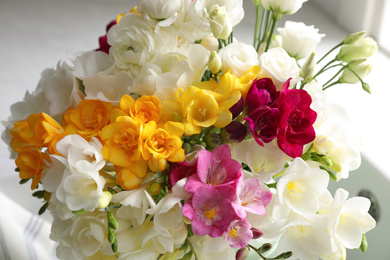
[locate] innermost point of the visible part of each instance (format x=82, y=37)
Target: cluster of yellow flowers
x=138, y=135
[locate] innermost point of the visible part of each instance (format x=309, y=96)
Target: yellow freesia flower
x=31, y=163
x=132, y=176
x=161, y=146
x=121, y=141
x=248, y=78
x=88, y=118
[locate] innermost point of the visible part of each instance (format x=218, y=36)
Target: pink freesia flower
x=252, y=198
x=210, y=210
x=239, y=234
x=295, y=127
x=214, y=169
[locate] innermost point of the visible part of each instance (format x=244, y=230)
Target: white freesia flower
x=171, y=71
x=306, y=238
x=263, y=161
x=302, y=188
x=278, y=65
x=220, y=16
x=168, y=222
x=350, y=219
x=134, y=43
x=298, y=39
x=237, y=58
x=134, y=202
x=80, y=237
x=283, y=6
x=209, y=248
x=335, y=140
x=75, y=180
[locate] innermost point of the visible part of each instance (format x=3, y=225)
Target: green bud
x=308, y=68
x=112, y=222
x=364, y=244
x=265, y=248
x=154, y=188
x=334, y=165
x=287, y=254
x=114, y=246
x=212, y=140
x=256, y=2
x=215, y=62
x=356, y=62
x=366, y=87
x=354, y=37
x=111, y=235
x=350, y=72
x=187, y=147
x=363, y=48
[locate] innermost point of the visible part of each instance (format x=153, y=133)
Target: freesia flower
x=238, y=234
x=298, y=39
x=215, y=169
x=251, y=196
x=295, y=127
x=210, y=210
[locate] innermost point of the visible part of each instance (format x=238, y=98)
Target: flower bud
x=105, y=200
x=348, y=75
x=354, y=37
x=307, y=70
x=256, y=2
x=154, y=188
x=220, y=23
x=364, y=244
x=212, y=140
x=242, y=253
x=234, y=132
x=215, y=63
x=257, y=233
x=363, y=48
x=366, y=87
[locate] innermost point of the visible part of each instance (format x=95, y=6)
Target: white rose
x=219, y=16
x=79, y=237
x=159, y=9
x=238, y=58
x=279, y=66
x=283, y=6
x=172, y=71
x=298, y=39
x=134, y=43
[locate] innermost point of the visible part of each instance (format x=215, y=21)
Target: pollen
x=209, y=212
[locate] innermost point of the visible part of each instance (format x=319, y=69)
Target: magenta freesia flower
x=252, y=198
x=239, y=234
x=210, y=210
x=178, y=171
x=215, y=168
x=296, y=122
x=263, y=117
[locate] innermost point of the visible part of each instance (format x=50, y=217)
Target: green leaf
x=43, y=208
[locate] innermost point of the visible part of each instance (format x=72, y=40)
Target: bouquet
x=174, y=140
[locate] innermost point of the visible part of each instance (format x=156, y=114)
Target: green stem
x=341, y=70
x=338, y=45
x=258, y=25
x=254, y=248
x=275, y=20
x=323, y=69
x=334, y=83
x=267, y=19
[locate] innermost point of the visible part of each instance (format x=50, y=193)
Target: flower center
x=209, y=212
x=293, y=188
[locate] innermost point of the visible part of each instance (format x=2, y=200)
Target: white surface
x=36, y=34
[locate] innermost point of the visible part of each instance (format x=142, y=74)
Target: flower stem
x=275, y=18
x=335, y=47
x=258, y=25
